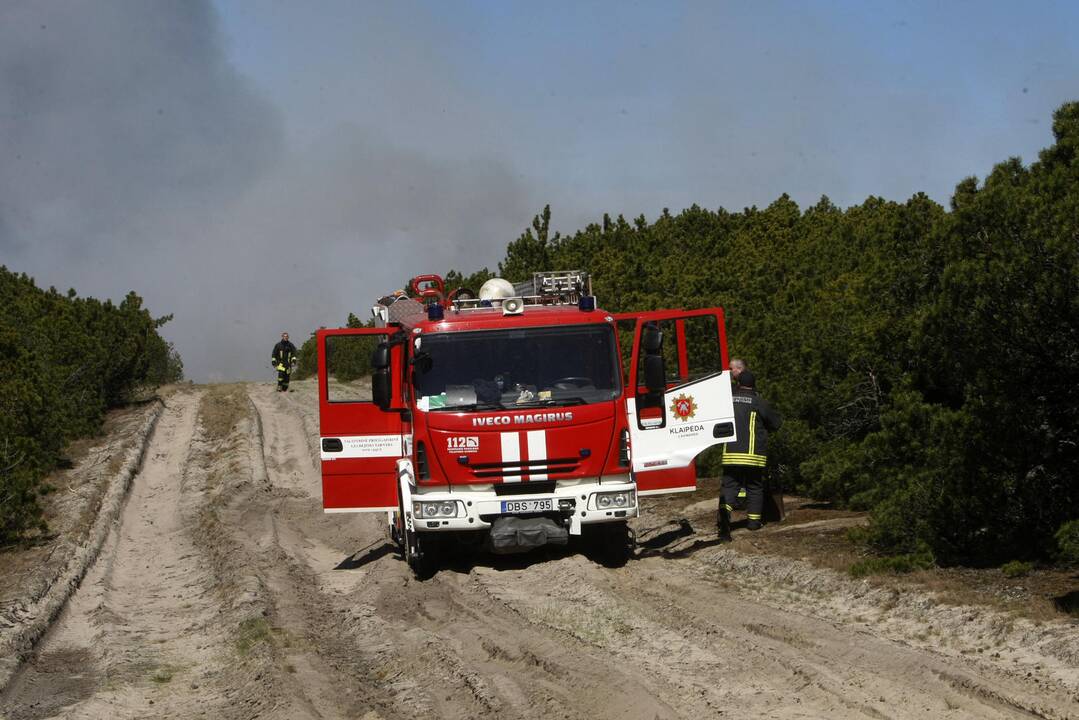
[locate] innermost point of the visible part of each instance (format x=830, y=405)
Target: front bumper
x=478, y=508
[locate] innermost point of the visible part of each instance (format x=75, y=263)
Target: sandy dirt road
x=225, y=592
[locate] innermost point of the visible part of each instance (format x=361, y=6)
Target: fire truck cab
x=519, y=417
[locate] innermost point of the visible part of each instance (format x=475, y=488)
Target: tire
x=423, y=555
x=395, y=533
x=610, y=544
x=397, y=529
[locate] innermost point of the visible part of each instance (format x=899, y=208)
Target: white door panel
x=695, y=416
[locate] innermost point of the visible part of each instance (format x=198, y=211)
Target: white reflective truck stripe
x=511, y=455
x=537, y=450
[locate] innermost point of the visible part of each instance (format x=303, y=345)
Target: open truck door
x=678, y=394
x=361, y=428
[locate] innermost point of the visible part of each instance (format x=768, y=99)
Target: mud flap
x=404, y=522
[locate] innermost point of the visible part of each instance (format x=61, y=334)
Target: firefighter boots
x=723, y=522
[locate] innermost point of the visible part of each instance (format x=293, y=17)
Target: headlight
x=441, y=508
x=606, y=501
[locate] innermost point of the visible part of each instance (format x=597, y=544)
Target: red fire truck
x=519, y=417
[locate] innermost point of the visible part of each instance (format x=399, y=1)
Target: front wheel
x=422, y=554
x=610, y=544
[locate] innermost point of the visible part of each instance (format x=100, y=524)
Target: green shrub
x=306, y=360
x=66, y=361
x=1016, y=568
x=894, y=564
x=858, y=535
x=1067, y=538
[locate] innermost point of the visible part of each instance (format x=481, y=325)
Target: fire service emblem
x=683, y=407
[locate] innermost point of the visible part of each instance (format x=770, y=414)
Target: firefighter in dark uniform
x=284, y=355
x=738, y=366
x=744, y=459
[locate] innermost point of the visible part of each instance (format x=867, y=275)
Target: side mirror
x=655, y=374
x=651, y=339
x=381, y=387
x=380, y=358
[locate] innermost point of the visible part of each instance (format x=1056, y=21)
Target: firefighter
x=737, y=366
x=744, y=459
x=283, y=358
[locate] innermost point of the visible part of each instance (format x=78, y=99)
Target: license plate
x=527, y=506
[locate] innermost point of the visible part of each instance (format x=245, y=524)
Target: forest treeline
x=66, y=360
x=926, y=359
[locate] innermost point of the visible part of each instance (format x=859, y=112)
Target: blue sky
x=260, y=166
x=630, y=107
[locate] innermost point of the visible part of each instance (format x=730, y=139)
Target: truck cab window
x=567, y=365
x=348, y=367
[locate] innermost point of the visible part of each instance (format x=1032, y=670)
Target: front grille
x=552, y=466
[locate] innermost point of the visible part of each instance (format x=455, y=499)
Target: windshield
x=566, y=365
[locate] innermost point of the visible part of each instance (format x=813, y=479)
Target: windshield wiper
x=471, y=407
x=554, y=402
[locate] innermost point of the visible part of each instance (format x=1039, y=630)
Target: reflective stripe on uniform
x=753, y=432
x=753, y=516
x=730, y=458
x=727, y=507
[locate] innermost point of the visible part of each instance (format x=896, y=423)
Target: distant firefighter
x=283, y=359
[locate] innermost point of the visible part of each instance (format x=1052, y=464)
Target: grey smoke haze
x=115, y=115
x=263, y=166
x=136, y=157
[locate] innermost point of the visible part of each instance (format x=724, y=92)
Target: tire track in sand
x=139, y=637
x=709, y=645
x=225, y=592
x=659, y=638
x=443, y=646
x=336, y=674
